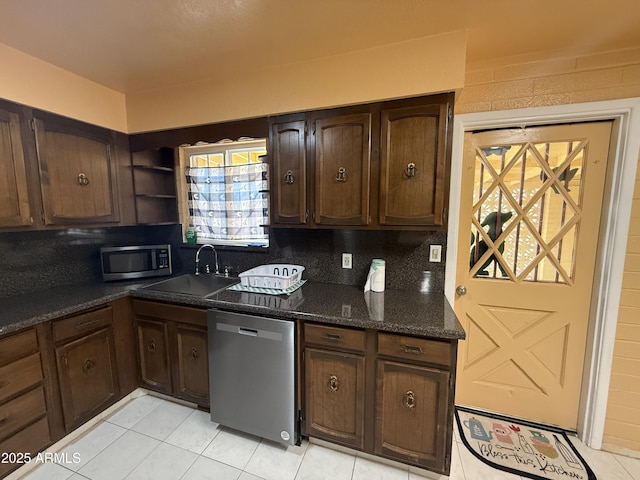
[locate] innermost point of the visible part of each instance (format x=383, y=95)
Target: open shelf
x=155, y=186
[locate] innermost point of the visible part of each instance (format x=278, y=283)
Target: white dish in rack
x=276, y=275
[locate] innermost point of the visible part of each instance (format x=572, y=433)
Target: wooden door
x=153, y=355
x=77, y=174
x=14, y=197
x=412, y=408
x=529, y=223
x=289, y=178
x=412, y=171
x=192, y=365
x=88, y=381
x=334, y=396
x=342, y=169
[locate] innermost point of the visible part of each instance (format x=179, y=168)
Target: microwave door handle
x=154, y=260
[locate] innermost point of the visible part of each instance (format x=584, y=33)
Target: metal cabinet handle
x=411, y=170
x=414, y=350
x=333, y=383
x=88, y=366
x=83, y=179
x=87, y=323
x=193, y=354
x=461, y=290
x=332, y=337
x=152, y=346
x=409, y=400
x=289, y=178
x=342, y=175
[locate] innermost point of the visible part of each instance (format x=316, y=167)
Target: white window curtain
x=229, y=205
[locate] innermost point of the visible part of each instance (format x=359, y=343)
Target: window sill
x=228, y=248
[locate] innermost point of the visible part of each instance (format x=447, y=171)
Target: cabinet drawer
x=335, y=337
x=21, y=411
x=20, y=375
x=30, y=440
x=83, y=323
x=17, y=346
x=412, y=348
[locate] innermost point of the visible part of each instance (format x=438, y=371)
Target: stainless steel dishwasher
x=252, y=381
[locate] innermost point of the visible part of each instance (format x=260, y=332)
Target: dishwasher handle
x=249, y=332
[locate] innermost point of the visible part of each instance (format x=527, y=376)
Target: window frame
x=224, y=146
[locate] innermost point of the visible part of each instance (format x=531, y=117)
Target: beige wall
x=27, y=80
x=622, y=429
x=416, y=67
x=529, y=82
x=539, y=81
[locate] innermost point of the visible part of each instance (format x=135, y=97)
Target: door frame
x=614, y=229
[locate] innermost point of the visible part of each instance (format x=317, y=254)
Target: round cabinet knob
x=461, y=290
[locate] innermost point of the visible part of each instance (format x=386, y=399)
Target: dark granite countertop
x=398, y=311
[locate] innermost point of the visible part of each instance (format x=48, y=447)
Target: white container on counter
x=376, y=277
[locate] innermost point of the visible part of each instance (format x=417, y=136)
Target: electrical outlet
x=435, y=253
x=347, y=260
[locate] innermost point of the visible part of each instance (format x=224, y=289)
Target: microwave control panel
x=162, y=258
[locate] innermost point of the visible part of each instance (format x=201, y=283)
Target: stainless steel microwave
x=138, y=261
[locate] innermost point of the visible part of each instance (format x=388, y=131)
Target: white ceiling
x=137, y=45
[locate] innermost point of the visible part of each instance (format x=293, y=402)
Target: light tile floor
x=153, y=438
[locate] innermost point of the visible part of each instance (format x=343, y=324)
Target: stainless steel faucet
x=217, y=267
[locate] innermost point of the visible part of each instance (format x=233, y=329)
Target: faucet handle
x=207, y=269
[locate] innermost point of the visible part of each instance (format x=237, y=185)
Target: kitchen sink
x=190, y=284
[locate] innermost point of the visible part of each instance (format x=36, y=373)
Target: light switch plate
x=435, y=253
x=347, y=260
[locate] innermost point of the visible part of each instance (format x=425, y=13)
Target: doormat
x=522, y=448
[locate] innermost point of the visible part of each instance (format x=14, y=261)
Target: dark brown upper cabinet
x=413, y=163
x=377, y=166
x=77, y=173
x=15, y=210
x=342, y=169
x=289, y=173
x=56, y=172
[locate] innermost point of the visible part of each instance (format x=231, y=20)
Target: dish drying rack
x=278, y=276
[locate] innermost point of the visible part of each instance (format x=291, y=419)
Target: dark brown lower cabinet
x=386, y=394
x=172, y=350
x=192, y=367
x=87, y=365
x=412, y=405
x=24, y=426
x=153, y=351
x=335, y=396
x=87, y=373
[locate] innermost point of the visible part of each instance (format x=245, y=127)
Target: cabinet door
x=412, y=176
x=88, y=380
x=14, y=198
x=343, y=164
x=77, y=174
x=289, y=173
x=192, y=375
x=412, y=405
x=153, y=355
x=334, y=396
